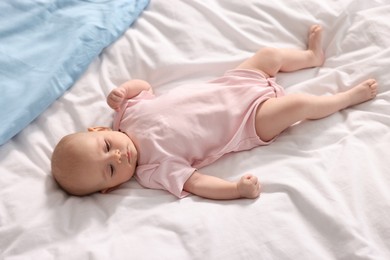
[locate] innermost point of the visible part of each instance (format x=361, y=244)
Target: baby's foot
x=362, y=92
x=315, y=45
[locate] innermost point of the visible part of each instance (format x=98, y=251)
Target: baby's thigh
x=275, y=115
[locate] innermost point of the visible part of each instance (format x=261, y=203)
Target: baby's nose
x=118, y=155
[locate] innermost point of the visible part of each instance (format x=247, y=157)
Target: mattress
x=325, y=183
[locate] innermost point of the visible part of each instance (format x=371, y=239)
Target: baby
x=164, y=140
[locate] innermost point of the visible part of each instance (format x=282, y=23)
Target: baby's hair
x=65, y=166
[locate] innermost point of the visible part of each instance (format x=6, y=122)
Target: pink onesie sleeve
x=169, y=175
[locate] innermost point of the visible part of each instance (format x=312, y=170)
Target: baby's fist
x=248, y=186
x=116, y=97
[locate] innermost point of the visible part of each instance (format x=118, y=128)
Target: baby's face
x=108, y=159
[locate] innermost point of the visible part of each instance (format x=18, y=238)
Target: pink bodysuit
x=192, y=126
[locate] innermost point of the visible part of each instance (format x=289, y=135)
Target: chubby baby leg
x=272, y=60
x=276, y=114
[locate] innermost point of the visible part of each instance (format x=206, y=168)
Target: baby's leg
x=272, y=60
x=277, y=114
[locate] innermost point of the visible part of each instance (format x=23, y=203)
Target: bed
x=325, y=183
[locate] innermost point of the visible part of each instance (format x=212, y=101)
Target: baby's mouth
x=128, y=156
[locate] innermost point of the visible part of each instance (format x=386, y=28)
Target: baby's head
x=98, y=160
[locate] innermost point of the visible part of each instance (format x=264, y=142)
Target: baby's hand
x=248, y=186
x=116, y=97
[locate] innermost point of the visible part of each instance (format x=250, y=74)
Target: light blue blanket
x=45, y=45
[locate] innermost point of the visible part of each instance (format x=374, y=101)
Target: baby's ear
x=98, y=128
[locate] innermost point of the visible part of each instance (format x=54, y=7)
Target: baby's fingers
x=117, y=94
x=249, y=186
x=249, y=178
x=115, y=98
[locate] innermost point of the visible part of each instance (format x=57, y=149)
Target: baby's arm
x=127, y=90
x=215, y=188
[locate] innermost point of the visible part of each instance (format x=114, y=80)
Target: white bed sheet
x=326, y=183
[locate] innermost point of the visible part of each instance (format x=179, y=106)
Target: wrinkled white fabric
x=325, y=183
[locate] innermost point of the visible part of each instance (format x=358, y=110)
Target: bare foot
x=315, y=45
x=362, y=92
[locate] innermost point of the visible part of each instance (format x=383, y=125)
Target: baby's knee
x=301, y=101
x=269, y=53
x=269, y=60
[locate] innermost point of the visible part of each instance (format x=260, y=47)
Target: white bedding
x=326, y=183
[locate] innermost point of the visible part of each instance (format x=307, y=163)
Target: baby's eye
x=111, y=170
x=107, y=146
